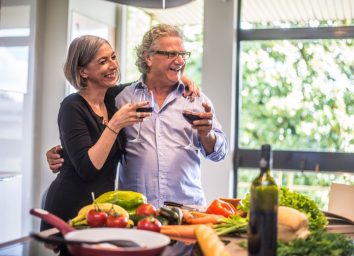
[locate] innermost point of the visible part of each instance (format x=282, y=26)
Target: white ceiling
x=191, y=13
x=263, y=11
x=297, y=10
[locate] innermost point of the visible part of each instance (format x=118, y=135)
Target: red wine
x=147, y=109
x=191, y=117
x=262, y=229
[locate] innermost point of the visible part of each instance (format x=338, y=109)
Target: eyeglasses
x=173, y=54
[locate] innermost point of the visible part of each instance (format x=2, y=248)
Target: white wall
x=218, y=84
x=49, y=87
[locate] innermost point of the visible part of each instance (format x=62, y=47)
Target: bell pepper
x=129, y=200
x=220, y=207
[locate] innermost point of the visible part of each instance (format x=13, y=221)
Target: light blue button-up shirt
x=160, y=167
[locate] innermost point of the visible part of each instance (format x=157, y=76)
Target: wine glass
x=141, y=94
x=191, y=107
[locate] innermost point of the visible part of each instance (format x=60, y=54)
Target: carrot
x=193, y=217
x=187, y=215
x=198, y=214
x=211, y=219
x=183, y=231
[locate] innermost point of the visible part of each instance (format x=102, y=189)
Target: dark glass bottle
x=262, y=230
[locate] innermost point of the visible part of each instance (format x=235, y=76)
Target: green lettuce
x=299, y=202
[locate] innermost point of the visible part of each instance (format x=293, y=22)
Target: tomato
x=221, y=208
x=116, y=221
x=146, y=210
x=96, y=218
x=149, y=223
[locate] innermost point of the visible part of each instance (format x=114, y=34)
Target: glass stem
x=191, y=139
x=138, y=136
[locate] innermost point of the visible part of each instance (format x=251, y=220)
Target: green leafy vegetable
x=318, y=244
x=244, y=205
x=299, y=202
x=233, y=224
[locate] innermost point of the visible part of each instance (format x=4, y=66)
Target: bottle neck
x=265, y=170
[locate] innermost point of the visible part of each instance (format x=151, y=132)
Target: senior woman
x=90, y=127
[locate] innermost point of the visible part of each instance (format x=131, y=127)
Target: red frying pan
x=150, y=243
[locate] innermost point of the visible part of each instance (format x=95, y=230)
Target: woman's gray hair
x=81, y=51
x=149, y=38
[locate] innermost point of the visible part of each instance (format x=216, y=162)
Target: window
x=140, y=21
x=84, y=25
x=15, y=19
x=16, y=114
x=296, y=92
x=14, y=54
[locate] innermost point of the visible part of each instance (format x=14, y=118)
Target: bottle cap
x=266, y=156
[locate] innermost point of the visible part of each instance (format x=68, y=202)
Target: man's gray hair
x=155, y=33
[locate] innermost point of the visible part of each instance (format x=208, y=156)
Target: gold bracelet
x=109, y=128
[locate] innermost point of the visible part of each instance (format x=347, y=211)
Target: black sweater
x=79, y=129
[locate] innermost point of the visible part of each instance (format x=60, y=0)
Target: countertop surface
x=28, y=246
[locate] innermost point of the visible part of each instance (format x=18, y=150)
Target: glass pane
x=14, y=69
x=290, y=14
x=194, y=44
x=139, y=22
x=83, y=25
x=314, y=185
x=11, y=107
x=298, y=95
x=14, y=20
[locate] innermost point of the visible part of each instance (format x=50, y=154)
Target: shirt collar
x=140, y=84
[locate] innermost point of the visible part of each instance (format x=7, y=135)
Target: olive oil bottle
x=262, y=230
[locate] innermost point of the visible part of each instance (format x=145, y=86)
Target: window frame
x=286, y=160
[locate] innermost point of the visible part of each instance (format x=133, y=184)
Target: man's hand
x=204, y=127
x=54, y=159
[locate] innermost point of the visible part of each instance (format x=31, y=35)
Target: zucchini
x=163, y=220
x=179, y=213
x=172, y=216
x=135, y=218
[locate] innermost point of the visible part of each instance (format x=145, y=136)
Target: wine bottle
x=262, y=230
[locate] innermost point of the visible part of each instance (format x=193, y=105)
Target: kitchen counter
x=27, y=246
x=11, y=200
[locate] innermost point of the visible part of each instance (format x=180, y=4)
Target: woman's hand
x=127, y=115
x=54, y=159
x=191, y=88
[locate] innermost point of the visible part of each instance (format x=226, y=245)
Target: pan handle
x=53, y=220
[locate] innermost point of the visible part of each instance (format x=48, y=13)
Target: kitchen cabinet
x=10, y=204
